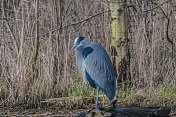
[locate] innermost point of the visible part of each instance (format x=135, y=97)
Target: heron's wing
x=98, y=65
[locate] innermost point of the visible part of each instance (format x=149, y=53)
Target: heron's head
x=79, y=41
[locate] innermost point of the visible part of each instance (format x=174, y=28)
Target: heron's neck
x=79, y=59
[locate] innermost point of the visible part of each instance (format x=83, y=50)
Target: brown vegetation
x=34, y=42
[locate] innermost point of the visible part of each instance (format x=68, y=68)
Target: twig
x=79, y=27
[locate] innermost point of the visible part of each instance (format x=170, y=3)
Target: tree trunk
x=119, y=41
x=36, y=44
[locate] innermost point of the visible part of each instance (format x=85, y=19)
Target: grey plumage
x=95, y=66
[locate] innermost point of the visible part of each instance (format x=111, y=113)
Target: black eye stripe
x=80, y=39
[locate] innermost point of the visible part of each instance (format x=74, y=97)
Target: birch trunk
x=119, y=41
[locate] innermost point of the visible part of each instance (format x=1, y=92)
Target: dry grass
x=28, y=79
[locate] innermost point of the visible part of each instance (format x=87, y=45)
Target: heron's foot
x=104, y=111
x=101, y=113
x=110, y=106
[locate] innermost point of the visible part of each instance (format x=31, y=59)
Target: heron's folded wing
x=98, y=65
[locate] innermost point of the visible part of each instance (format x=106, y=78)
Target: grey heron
x=95, y=66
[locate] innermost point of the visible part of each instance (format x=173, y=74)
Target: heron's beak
x=74, y=47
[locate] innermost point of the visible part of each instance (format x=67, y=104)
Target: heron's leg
x=97, y=96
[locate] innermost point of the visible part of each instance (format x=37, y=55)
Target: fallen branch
x=129, y=111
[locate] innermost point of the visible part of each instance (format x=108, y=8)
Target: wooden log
x=131, y=111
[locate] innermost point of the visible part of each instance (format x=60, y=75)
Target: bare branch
x=78, y=22
x=157, y=6
x=168, y=20
x=69, y=25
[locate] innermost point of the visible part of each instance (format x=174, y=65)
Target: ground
x=49, y=111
